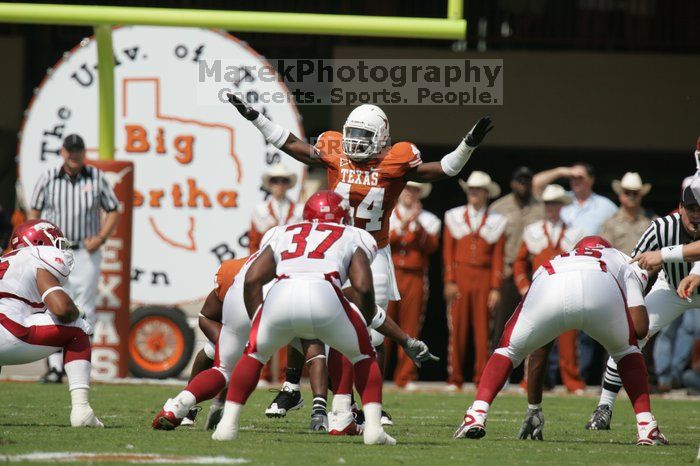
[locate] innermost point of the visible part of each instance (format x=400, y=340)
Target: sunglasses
x=279, y=180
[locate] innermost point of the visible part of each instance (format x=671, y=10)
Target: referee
x=72, y=196
x=662, y=302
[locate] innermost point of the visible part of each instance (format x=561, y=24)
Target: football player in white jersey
x=312, y=260
x=38, y=318
x=592, y=288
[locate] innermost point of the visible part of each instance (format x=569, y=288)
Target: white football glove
x=418, y=351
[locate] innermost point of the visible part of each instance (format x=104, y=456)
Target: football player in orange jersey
x=367, y=170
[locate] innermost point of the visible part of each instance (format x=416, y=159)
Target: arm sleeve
x=108, y=200
x=432, y=241
x=696, y=268
x=648, y=241
x=633, y=286
x=39, y=195
x=366, y=242
x=521, y=267
x=497, y=262
x=448, y=246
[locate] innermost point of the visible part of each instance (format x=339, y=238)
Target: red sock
x=206, y=385
x=368, y=380
x=493, y=378
x=633, y=372
x=340, y=371
x=244, y=379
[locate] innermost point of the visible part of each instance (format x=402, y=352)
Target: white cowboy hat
x=555, y=193
x=278, y=170
x=631, y=182
x=479, y=179
x=424, y=188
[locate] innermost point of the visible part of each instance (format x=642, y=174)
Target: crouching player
x=38, y=318
x=312, y=259
x=592, y=288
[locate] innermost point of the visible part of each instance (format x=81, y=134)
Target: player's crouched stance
x=592, y=288
x=312, y=260
x=37, y=317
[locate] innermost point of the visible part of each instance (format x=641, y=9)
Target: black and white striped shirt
x=666, y=231
x=74, y=203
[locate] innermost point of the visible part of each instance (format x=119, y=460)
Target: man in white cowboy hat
x=542, y=241
x=631, y=220
x=414, y=234
x=276, y=210
x=473, y=245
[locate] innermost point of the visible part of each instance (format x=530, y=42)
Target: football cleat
x=188, y=421
x=343, y=423
x=600, y=419
x=286, y=400
x=377, y=437
x=84, y=417
x=386, y=419
x=319, y=422
x=166, y=420
x=214, y=416
x=648, y=433
x=359, y=415
x=473, y=425
x=532, y=425
x=52, y=376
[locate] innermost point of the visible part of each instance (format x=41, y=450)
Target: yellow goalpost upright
x=102, y=18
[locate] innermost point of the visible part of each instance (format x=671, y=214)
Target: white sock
x=78, y=373
x=537, y=406
x=644, y=417
x=56, y=361
x=182, y=403
x=79, y=397
x=607, y=398
x=341, y=403
x=230, y=416
x=373, y=416
x=479, y=405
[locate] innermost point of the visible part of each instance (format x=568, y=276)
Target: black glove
x=478, y=132
x=248, y=112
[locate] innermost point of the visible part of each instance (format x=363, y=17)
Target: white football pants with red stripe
x=25, y=339
x=586, y=300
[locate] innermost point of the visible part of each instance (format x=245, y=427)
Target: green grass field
x=35, y=419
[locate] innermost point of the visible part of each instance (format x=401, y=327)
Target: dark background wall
x=612, y=83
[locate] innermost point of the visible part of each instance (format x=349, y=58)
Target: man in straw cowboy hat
x=278, y=209
x=625, y=227
x=542, y=241
x=473, y=244
x=414, y=234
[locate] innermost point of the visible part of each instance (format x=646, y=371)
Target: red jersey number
x=335, y=232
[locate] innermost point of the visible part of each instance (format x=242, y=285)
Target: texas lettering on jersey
x=372, y=187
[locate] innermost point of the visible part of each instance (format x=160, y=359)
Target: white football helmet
x=365, y=133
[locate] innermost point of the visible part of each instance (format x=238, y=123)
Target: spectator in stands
x=541, y=241
x=278, y=209
x=414, y=235
x=624, y=229
x=473, y=244
x=520, y=208
x=587, y=212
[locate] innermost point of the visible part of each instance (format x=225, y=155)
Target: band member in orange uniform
x=414, y=234
x=542, y=241
x=473, y=243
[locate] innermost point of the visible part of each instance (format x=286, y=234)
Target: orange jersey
x=226, y=274
x=373, y=186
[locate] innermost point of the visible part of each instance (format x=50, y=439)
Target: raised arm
x=542, y=179
x=451, y=164
x=276, y=135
